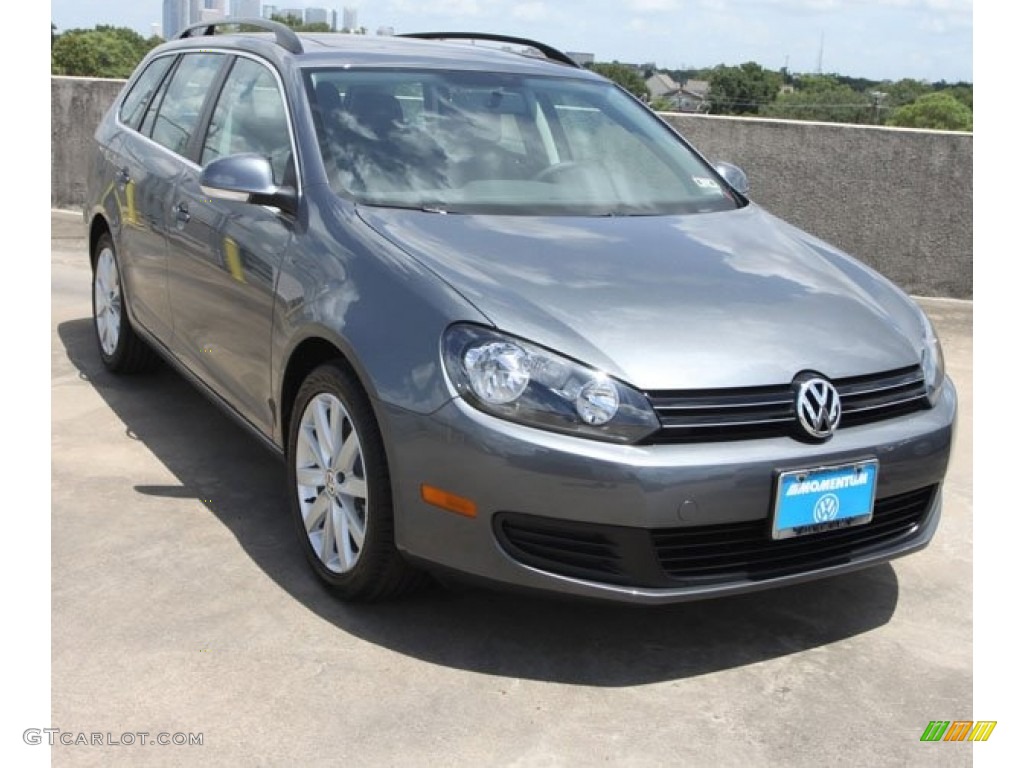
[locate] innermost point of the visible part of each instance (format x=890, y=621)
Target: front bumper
x=638, y=496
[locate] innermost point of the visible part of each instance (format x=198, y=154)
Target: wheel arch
x=307, y=355
x=98, y=227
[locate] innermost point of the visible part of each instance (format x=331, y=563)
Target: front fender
x=383, y=310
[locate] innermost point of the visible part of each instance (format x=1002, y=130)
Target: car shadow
x=496, y=633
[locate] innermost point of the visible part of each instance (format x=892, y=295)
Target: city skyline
x=878, y=39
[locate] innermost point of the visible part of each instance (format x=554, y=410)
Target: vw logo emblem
x=817, y=406
x=826, y=508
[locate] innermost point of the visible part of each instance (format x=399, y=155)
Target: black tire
x=379, y=571
x=130, y=354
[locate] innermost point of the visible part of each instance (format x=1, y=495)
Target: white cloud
x=646, y=6
x=438, y=7
x=531, y=11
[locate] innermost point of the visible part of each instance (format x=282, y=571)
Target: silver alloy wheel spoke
x=314, y=517
x=107, y=300
x=331, y=483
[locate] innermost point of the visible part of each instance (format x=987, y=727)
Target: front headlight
x=932, y=363
x=519, y=381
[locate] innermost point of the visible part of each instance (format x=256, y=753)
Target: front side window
x=250, y=117
x=481, y=142
x=178, y=113
x=141, y=94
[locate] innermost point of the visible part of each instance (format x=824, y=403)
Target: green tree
x=941, y=111
x=101, y=52
x=905, y=91
x=824, y=103
x=962, y=92
x=742, y=90
x=625, y=76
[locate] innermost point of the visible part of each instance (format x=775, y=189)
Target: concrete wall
x=77, y=105
x=900, y=200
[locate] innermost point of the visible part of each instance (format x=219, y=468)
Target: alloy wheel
x=330, y=479
x=107, y=301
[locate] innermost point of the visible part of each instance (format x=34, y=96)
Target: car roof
x=339, y=49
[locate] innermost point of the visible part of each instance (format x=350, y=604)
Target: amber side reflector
x=448, y=501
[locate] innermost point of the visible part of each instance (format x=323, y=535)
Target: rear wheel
x=121, y=350
x=341, y=490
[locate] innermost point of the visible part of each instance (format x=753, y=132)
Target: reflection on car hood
x=730, y=299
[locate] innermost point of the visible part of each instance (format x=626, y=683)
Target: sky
x=877, y=39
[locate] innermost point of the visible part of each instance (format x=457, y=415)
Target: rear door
x=142, y=180
x=225, y=255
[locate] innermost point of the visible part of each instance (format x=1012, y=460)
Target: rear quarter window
x=141, y=94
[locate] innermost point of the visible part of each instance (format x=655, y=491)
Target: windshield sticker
x=704, y=183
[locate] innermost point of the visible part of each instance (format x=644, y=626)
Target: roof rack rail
x=552, y=53
x=283, y=35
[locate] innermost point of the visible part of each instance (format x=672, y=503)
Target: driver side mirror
x=735, y=176
x=246, y=178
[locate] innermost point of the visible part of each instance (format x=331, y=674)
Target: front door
x=224, y=256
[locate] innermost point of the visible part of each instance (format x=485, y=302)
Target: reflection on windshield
x=466, y=142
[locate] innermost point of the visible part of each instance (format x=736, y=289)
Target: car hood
x=730, y=299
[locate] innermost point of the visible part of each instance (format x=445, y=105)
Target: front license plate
x=823, y=499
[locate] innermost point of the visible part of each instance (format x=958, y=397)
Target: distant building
x=350, y=18
x=211, y=14
x=698, y=87
x=175, y=18
x=691, y=97
x=195, y=11
x=660, y=85
x=156, y=29
x=245, y=9
x=269, y=11
x=583, y=59
x=318, y=16
x=299, y=14
x=386, y=31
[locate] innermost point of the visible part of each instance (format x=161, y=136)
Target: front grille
x=746, y=550
x=701, y=555
x=755, y=412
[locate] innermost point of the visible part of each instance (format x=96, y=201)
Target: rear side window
x=178, y=114
x=141, y=94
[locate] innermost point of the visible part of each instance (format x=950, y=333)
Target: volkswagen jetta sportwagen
x=498, y=317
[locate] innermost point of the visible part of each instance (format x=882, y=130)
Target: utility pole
x=821, y=51
x=876, y=102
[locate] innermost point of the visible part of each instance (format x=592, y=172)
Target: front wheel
x=341, y=491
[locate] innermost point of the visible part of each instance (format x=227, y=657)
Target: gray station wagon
x=500, y=319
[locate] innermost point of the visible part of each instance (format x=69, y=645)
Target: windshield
x=480, y=142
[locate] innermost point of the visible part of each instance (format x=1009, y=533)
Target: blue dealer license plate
x=823, y=499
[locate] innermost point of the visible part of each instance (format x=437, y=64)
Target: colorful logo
x=958, y=730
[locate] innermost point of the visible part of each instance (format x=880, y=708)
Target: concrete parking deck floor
x=181, y=603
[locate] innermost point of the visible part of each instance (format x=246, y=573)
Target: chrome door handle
x=181, y=213
x=122, y=176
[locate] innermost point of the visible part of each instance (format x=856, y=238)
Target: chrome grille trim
x=760, y=412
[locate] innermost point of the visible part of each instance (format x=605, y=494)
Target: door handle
x=181, y=212
x=122, y=176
